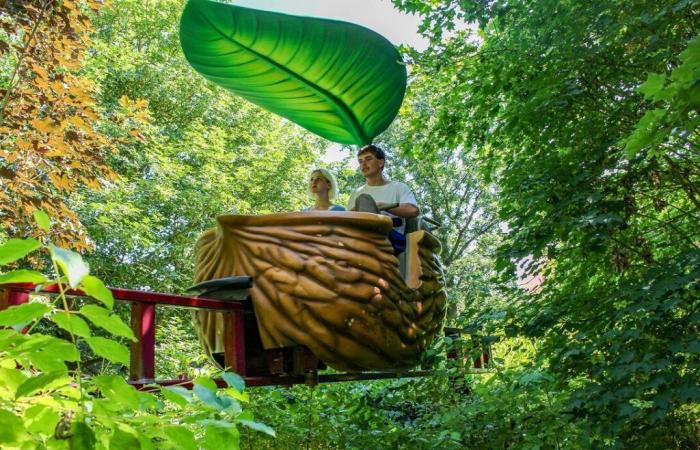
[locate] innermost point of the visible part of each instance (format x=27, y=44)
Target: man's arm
x=407, y=203
x=405, y=210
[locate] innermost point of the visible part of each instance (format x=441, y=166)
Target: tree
x=448, y=187
x=597, y=185
x=50, y=143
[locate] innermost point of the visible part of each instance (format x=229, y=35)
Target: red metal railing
x=143, y=322
x=142, y=372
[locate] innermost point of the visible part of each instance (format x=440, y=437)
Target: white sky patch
x=336, y=152
x=377, y=15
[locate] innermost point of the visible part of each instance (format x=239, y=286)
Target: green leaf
x=654, y=84
x=207, y=396
x=15, y=249
x=207, y=383
x=71, y=264
x=234, y=380
x=63, y=350
x=41, y=419
x=82, y=438
x=177, y=394
x=21, y=314
x=180, y=437
x=118, y=391
x=47, y=353
x=110, y=322
x=42, y=382
x=691, y=55
x=72, y=323
x=42, y=219
x=336, y=79
x=257, y=426
x=108, y=349
x=219, y=435
x=122, y=440
x=644, y=132
x=11, y=380
x=94, y=287
x=23, y=276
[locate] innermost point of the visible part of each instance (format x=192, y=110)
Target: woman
x=324, y=188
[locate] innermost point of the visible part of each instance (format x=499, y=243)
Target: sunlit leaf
x=206, y=382
x=82, y=437
x=42, y=219
x=41, y=419
x=257, y=426
x=219, y=434
x=23, y=276
x=94, y=287
x=118, y=391
x=14, y=249
x=108, y=349
x=180, y=437
x=11, y=378
x=21, y=314
x=110, y=322
x=10, y=426
x=124, y=440
x=177, y=394
x=336, y=79
x=41, y=382
x=71, y=264
x=72, y=323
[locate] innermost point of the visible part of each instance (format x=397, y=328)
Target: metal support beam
x=234, y=342
x=143, y=352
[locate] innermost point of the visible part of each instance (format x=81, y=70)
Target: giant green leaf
x=336, y=79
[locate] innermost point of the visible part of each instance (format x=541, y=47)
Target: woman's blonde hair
x=333, y=191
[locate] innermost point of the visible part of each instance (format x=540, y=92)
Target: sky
x=377, y=15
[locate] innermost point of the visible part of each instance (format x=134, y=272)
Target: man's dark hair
x=376, y=151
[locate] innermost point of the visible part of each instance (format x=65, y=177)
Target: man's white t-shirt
x=392, y=192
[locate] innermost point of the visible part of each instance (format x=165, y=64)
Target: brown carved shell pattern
x=328, y=281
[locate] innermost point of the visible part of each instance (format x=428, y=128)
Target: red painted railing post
x=234, y=342
x=143, y=351
x=11, y=297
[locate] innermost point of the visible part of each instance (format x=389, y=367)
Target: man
x=379, y=191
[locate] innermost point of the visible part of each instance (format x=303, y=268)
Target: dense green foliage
x=585, y=116
x=47, y=400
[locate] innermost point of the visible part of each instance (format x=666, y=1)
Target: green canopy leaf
x=71, y=264
x=110, y=350
x=336, y=79
x=257, y=426
x=72, y=323
x=44, y=381
x=14, y=249
x=42, y=219
x=94, y=287
x=110, y=322
x=23, y=276
x=21, y=314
